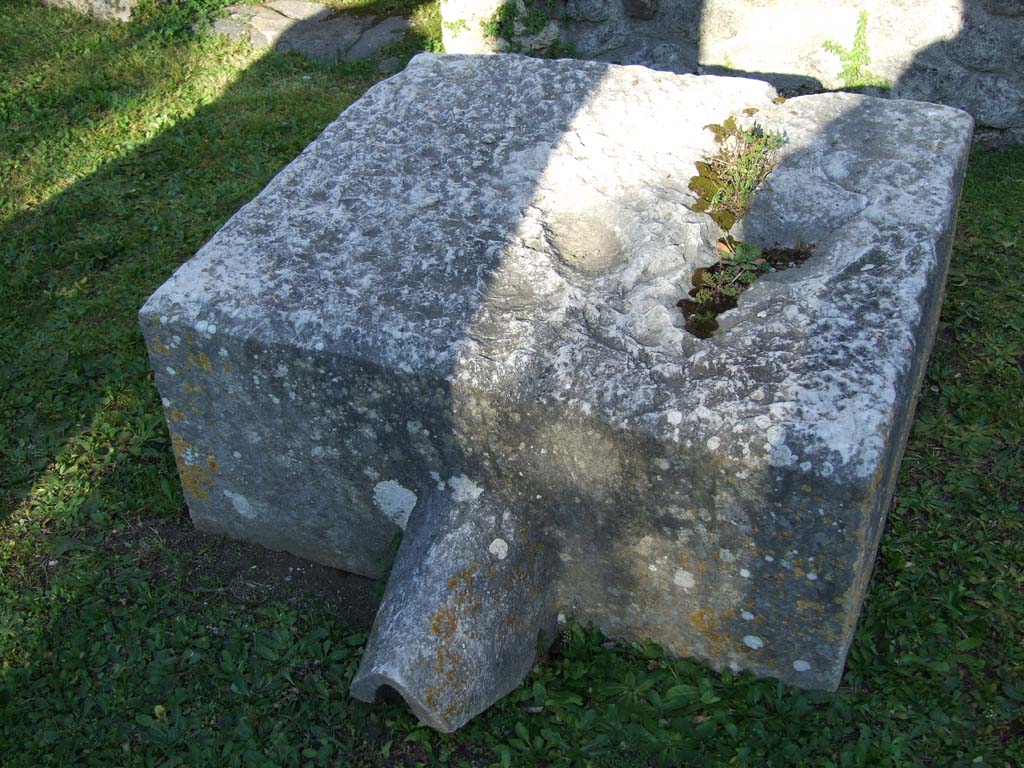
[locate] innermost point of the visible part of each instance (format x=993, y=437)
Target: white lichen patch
x=753, y=642
x=499, y=548
x=801, y=666
x=747, y=616
x=812, y=576
x=684, y=579
x=241, y=504
x=775, y=435
x=744, y=573
x=394, y=500
x=464, y=489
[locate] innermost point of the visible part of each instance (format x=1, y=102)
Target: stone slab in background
x=311, y=29
x=110, y=10
x=455, y=311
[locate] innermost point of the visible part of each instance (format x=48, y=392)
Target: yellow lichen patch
x=809, y=606
x=201, y=361
x=449, y=664
x=444, y=622
x=177, y=415
x=157, y=348
x=466, y=576
x=712, y=626
x=196, y=469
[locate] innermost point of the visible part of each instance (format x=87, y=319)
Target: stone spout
x=470, y=599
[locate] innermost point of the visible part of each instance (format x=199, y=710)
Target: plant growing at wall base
x=516, y=24
x=855, y=75
x=726, y=182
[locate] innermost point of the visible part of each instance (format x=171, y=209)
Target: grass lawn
x=125, y=642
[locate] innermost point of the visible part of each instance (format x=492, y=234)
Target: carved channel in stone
x=716, y=289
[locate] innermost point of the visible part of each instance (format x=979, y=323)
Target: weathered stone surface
x=594, y=39
x=311, y=29
x=963, y=53
x=456, y=310
x=383, y=33
x=463, y=22
x=1004, y=7
x=113, y=10
x=300, y=9
x=593, y=10
x=640, y=9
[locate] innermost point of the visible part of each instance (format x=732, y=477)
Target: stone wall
x=963, y=53
x=119, y=10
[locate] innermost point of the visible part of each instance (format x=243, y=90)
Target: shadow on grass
x=78, y=264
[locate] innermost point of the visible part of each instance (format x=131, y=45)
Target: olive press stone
x=454, y=315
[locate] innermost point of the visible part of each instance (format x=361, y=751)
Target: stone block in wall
x=463, y=22
x=593, y=10
x=590, y=40
x=508, y=26
x=640, y=9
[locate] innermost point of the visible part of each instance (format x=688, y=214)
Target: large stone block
x=458, y=304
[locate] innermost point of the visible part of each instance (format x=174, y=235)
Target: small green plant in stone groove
x=855, y=75
x=717, y=288
x=726, y=182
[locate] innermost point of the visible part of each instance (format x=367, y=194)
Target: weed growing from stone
x=717, y=288
x=726, y=182
x=725, y=185
x=855, y=75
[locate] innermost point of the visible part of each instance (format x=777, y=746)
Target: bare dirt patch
x=245, y=573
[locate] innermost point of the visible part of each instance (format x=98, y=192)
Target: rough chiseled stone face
x=454, y=314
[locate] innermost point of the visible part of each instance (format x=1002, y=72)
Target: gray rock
x=328, y=40
x=454, y=314
x=300, y=10
x=640, y=9
x=376, y=37
x=594, y=39
x=310, y=29
x=995, y=101
x=1004, y=7
x=665, y=57
x=593, y=10
x=980, y=43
